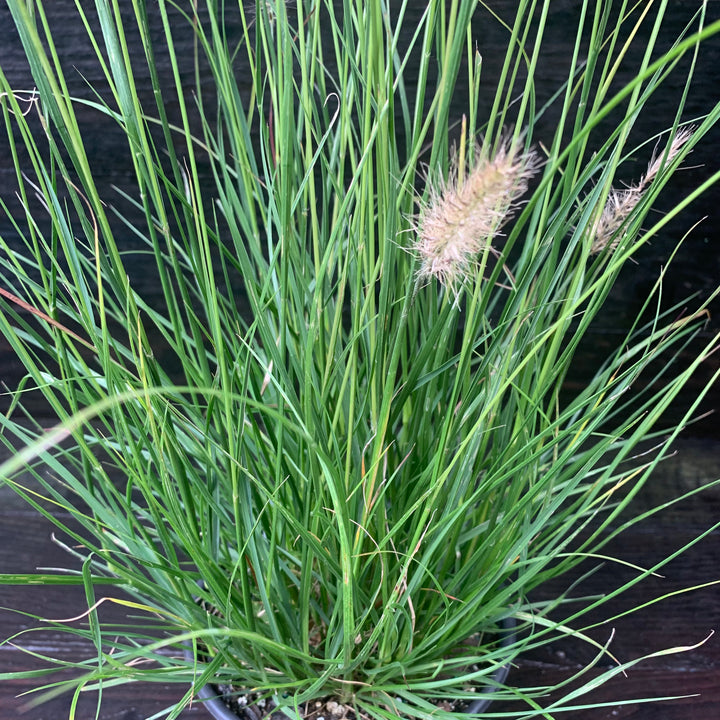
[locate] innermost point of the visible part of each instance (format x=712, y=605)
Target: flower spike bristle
x=465, y=212
x=620, y=203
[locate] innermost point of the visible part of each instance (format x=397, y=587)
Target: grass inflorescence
x=464, y=213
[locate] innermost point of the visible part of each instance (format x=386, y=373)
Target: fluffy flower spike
x=465, y=212
x=620, y=203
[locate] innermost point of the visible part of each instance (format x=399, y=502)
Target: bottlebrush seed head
x=604, y=232
x=465, y=212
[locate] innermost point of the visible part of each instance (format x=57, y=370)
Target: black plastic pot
x=217, y=708
x=507, y=638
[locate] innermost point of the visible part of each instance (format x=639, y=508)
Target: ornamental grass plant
x=353, y=463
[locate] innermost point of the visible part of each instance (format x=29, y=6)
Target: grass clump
x=354, y=453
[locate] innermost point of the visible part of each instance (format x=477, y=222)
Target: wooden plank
x=700, y=685
x=135, y=702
